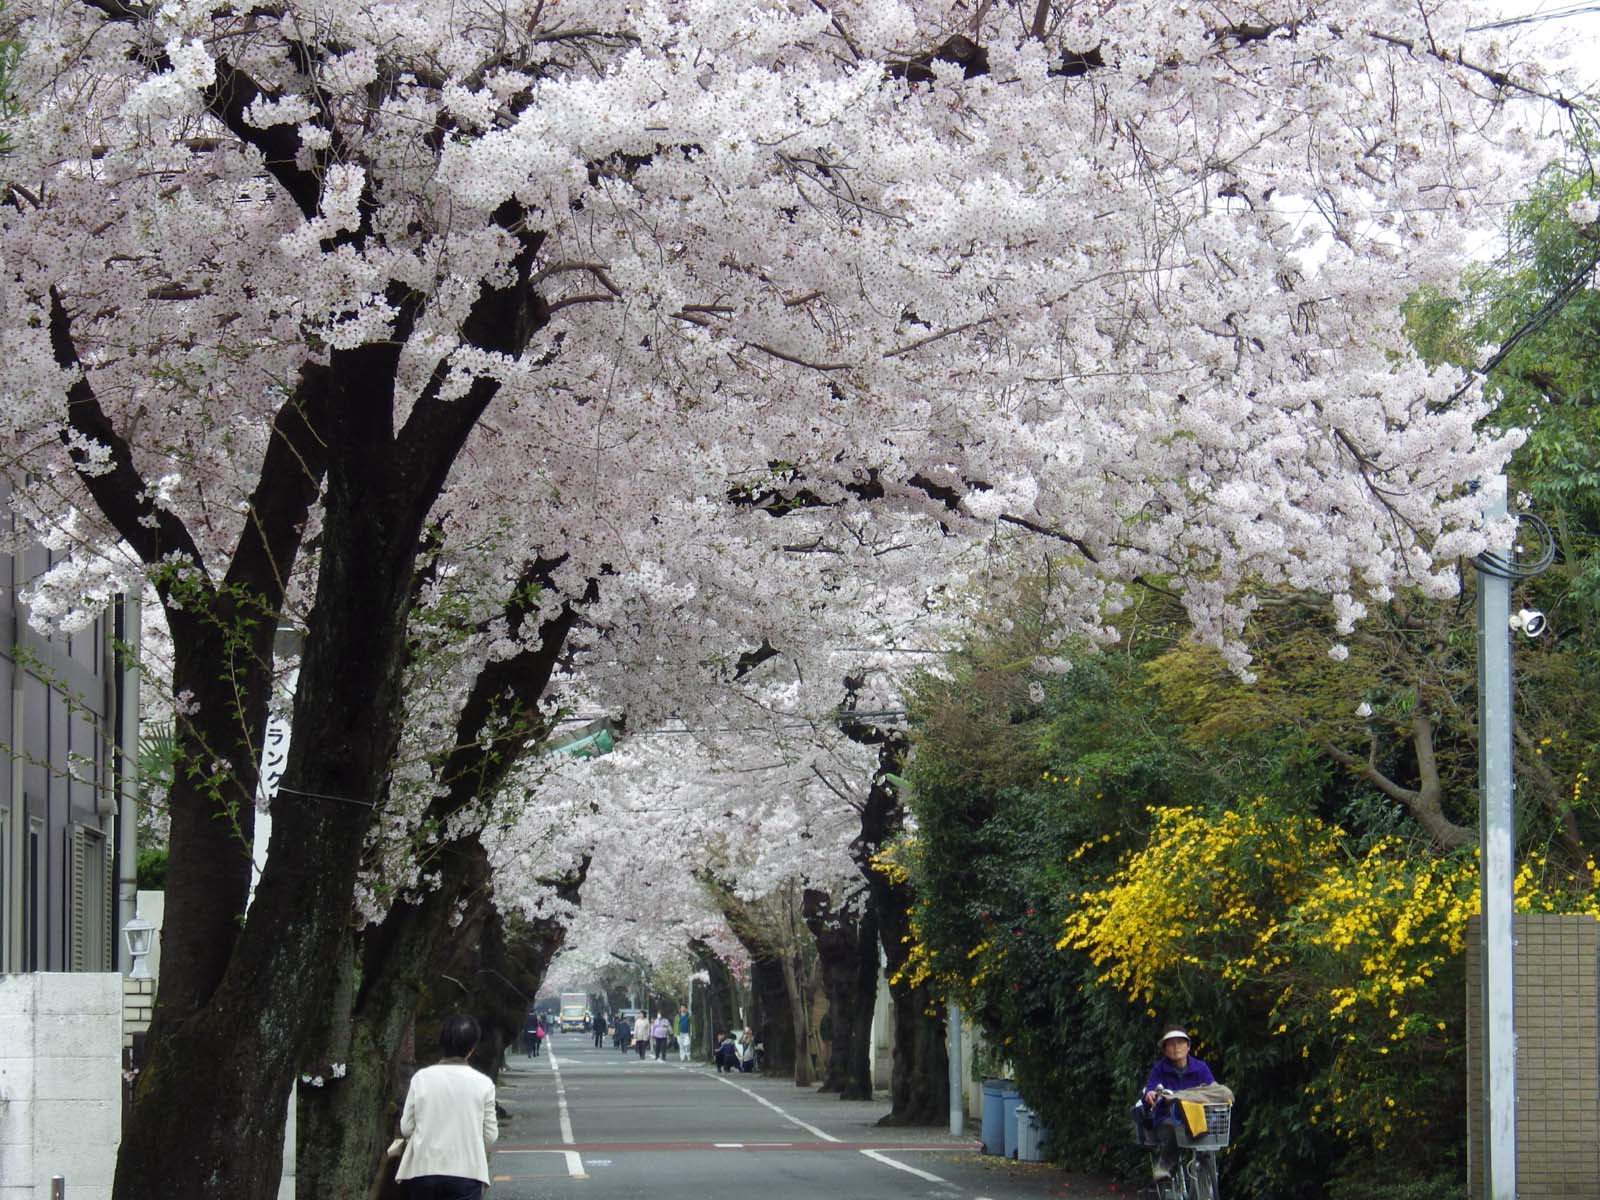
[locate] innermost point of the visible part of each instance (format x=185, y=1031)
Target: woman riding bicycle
x=1174, y=1071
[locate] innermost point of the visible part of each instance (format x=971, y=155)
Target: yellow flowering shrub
x=1207, y=890
x=1343, y=950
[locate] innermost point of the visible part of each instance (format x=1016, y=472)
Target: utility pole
x=1495, y=574
x=958, y=1105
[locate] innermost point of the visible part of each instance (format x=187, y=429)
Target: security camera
x=1529, y=622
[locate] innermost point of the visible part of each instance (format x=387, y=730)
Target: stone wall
x=60, y=1083
x=1556, y=1003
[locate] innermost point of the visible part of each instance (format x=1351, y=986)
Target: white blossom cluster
x=825, y=328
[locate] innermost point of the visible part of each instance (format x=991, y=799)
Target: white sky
x=1569, y=31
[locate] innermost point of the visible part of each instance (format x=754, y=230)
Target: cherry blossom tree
x=719, y=301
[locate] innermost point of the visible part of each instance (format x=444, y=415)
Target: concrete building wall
x=60, y=1083
x=64, y=708
x=1556, y=1002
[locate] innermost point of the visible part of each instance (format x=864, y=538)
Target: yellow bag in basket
x=1194, y=1116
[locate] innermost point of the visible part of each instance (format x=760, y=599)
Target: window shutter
x=108, y=929
x=78, y=851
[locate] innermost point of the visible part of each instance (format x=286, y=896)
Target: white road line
x=790, y=1117
x=574, y=1159
x=879, y=1156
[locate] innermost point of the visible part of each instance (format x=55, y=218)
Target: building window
x=90, y=919
x=33, y=897
x=8, y=884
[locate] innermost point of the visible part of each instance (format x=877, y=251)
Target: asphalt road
x=587, y=1124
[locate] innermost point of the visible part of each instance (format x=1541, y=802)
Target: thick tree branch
x=502, y=321
x=154, y=532
x=227, y=99
x=289, y=483
x=1424, y=802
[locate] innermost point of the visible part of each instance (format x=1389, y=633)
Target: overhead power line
x=1537, y=18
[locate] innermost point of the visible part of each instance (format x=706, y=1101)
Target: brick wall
x=1556, y=1000
x=138, y=999
x=60, y=1083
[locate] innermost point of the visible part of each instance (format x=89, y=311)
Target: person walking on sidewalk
x=641, y=1034
x=449, y=1121
x=659, y=1032
x=683, y=1033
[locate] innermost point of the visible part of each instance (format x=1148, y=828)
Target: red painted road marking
x=655, y=1147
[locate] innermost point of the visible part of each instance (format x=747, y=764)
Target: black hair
x=458, y=1035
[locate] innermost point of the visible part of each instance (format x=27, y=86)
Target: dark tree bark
x=919, y=1084
x=838, y=935
x=858, y=1067
x=772, y=1008
x=721, y=1005
x=239, y=998
x=342, y=1129
x=772, y=1011
x=485, y=967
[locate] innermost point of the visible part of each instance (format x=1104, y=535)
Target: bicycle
x=1195, y=1176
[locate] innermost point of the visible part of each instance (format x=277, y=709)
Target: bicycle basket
x=1219, y=1123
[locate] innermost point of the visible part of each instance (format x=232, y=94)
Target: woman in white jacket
x=449, y=1122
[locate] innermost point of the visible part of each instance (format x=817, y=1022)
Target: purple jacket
x=1164, y=1075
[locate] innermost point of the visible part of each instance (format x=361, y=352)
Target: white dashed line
x=574, y=1159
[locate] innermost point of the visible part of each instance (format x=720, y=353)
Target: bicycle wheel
x=1204, y=1177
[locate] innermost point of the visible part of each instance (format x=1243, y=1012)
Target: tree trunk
x=919, y=1084
x=208, y=1112
x=838, y=937
x=721, y=1006
x=772, y=1012
x=864, y=996
x=342, y=1128
x=800, y=1021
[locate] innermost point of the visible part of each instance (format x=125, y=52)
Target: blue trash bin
x=1030, y=1137
x=1010, y=1102
x=995, y=1092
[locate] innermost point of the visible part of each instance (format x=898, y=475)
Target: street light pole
x=1495, y=862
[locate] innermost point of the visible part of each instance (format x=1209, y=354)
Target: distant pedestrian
x=641, y=1034
x=599, y=1030
x=660, y=1030
x=727, y=1053
x=683, y=1033
x=747, y=1051
x=532, y=1035
x=449, y=1121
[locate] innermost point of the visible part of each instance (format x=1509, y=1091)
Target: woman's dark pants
x=443, y=1187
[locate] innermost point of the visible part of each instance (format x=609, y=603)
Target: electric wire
x=1512, y=566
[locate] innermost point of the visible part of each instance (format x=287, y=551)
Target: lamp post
x=138, y=936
